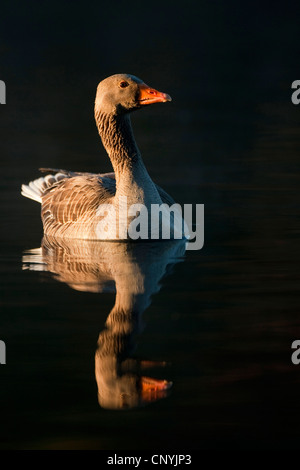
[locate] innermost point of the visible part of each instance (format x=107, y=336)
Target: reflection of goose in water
x=134, y=272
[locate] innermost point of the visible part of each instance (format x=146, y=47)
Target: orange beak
x=149, y=95
x=154, y=389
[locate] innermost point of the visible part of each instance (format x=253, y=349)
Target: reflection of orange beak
x=149, y=95
x=154, y=389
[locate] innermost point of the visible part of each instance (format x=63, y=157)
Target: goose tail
x=36, y=188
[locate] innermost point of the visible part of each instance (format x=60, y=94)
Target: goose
x=72, y=202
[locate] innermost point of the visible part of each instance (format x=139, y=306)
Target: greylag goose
x=72, y=202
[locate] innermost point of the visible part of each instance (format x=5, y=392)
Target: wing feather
x=70, y=205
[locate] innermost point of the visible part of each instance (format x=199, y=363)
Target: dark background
x=229, y=139
x=221, y=62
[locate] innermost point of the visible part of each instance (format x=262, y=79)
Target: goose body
x=89, y=206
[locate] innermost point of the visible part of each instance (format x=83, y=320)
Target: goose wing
x=70, y=205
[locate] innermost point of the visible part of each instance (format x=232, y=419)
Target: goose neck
x=118, y=140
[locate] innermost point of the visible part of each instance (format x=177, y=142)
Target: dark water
x=221, y=320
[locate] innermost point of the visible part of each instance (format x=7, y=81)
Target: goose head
x=122, y=93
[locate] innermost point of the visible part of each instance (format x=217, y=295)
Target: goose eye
x=124, y=84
